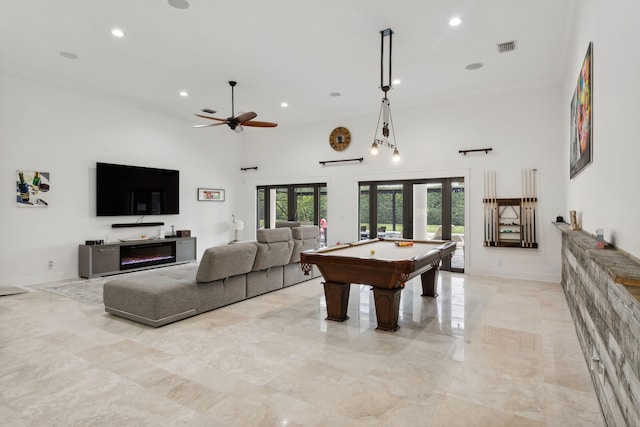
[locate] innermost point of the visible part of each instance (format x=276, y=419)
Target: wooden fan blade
x=260, y=124
x=212, y=118
x=209, y=125
x=246, y=117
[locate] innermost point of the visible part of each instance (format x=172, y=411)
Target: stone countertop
x=622, y=267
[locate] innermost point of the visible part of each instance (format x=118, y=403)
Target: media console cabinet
x=122, y=257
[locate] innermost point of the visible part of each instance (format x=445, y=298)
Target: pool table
x=383, y=265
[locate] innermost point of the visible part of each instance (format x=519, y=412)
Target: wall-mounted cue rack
x=510, y=222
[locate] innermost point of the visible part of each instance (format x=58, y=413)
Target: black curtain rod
x=359, y=159
x=486, y=150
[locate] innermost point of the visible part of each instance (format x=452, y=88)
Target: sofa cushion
x=220, y=262
x=235, y=289
x=263, y=281
x=295, y=253
x=274, y=247
x=270, y=235
x=210, y=295
x=305, y=238
x=305, y=232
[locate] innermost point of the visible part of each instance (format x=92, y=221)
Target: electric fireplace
x=136, y=256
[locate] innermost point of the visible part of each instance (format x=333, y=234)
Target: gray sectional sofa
x=226, y=274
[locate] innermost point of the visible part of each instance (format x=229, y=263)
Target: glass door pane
x=324, y=226
x=260, y=215
x=304, y=205
x=419, y=212
x=457, y=223
x=389, y=210
x=364, y=212
x=433, y=202
x=280, y=203
x=438, y=214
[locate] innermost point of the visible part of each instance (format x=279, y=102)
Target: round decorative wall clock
x=340, y=138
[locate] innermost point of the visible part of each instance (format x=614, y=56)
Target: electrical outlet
x=50, y=265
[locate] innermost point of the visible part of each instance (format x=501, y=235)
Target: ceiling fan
x=235, y=123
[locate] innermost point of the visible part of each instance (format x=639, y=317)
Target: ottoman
x=153, y=299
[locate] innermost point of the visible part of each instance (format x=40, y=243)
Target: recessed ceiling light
x=335, y=94
x=179, y=4
x=117, y=32
x=184, y=93
x=455, y=21
x=474, y=66
x=284, y=105
x=69, y=55
x=396, y=82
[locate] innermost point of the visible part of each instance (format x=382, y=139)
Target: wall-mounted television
x=135, y=190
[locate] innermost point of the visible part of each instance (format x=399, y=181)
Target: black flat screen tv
x=134, y=190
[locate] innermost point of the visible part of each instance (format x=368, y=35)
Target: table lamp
x=237, y=225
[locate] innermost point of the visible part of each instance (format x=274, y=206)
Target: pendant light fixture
x=385, y=108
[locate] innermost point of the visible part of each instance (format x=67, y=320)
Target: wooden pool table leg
x=337, y=297
x=387, y=308
x=430, y=281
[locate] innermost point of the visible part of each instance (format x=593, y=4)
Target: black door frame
x=291, y=202
x=407, y=208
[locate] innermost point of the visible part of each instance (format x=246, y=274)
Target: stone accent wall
x=606, y=314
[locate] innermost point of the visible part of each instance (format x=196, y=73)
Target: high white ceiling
x=296, y=51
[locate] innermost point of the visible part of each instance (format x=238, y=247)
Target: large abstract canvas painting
x=581, y=118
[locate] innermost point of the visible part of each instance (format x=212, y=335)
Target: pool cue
x=522, y=209
x=526, y=202
x=530, y=207
x=528, y=186
x=525, y=184
x=489, y=215
x=492, y=229
x=495, y=210
x=485, y=202
x=535, y=205
x=488, y=209
x=491, y=239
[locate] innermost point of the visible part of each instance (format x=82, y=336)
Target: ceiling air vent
x=506, y=46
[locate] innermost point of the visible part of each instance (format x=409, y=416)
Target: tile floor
x=486, y=352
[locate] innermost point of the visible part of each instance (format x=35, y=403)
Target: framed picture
x=32, y=189
x=210, y=195
x=581, y=118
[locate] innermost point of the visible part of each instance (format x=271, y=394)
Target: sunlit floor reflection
x=448, y=310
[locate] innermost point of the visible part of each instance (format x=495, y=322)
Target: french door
x=304, y=203
x=428, y=209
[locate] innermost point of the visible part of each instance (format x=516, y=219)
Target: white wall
x=605, y=193
x=48, y=129
x=525, y=130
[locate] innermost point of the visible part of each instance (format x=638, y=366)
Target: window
x=304, y=203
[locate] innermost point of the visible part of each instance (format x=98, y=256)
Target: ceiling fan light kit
x=235, y=123
x=385, y=109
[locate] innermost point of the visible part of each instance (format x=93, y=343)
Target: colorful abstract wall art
x=581, y=118
x=32, y=188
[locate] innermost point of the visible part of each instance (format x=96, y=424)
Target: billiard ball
x=373, y=251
